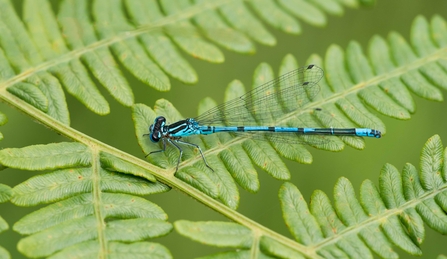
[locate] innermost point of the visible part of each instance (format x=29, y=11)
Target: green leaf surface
x=403, y=54
x=276, y=17
x=111, y=21
x=50, y=156
x=26, y=50
x=240, y=18
x=130, y=230
x=216, y=30
x=73, y=75
x=431, y=213
x=383, y=217
x=351, y=213
x=157, y=44
x=301, y=226
x=305, y=11
x=374, y=96
x=274, y=248
x=194, y=46
x=228, y=192
x=331, y=225
x=438, y=28
x=330, y=6
x=297, y=217
x=432, y=159
x=23, y=55
x=82, y=206
x=240, y=254
x=4, y=254
x=391, y=191
x=116, y=250
x=382, y=63
x=3, y=119
x=444, y=167
x=72, y=16
x=76, y=38
x=240, y=168
x=346, y=202
x=5, y=193
x=340, y=80
x=411, y=183
x=66, y=183
x=31, y=94
x=222, y=234
x=395, y=232
x=266, y=158
x=113, y=163
x=424, y=46
x=53, y=239
x=78, y=231
x=52, y=89
x=3, y=225
x=199, y=179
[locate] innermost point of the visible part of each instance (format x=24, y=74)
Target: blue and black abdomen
x=360, y=132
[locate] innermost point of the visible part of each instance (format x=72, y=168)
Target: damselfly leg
x=157, y=151
x=200, y=150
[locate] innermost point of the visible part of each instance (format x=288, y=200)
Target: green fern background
x=401, y=144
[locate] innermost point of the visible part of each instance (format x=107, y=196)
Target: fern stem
x=97, y=204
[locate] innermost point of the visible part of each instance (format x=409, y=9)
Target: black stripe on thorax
x=176, y=124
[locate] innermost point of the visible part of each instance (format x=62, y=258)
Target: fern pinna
x=392, y=214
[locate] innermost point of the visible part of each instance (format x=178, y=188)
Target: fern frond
x=3, y=121
x=220, y=234
x=5, y=195
x=4, y=254
x=78, y=31
x=44, y=50
x=95, y=209
x=392, y=214
x=353, y=84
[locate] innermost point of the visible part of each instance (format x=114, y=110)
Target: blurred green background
x=401, y=144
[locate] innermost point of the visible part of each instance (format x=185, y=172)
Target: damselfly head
x=155, y=130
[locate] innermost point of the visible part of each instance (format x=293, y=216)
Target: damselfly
x=259, y=112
